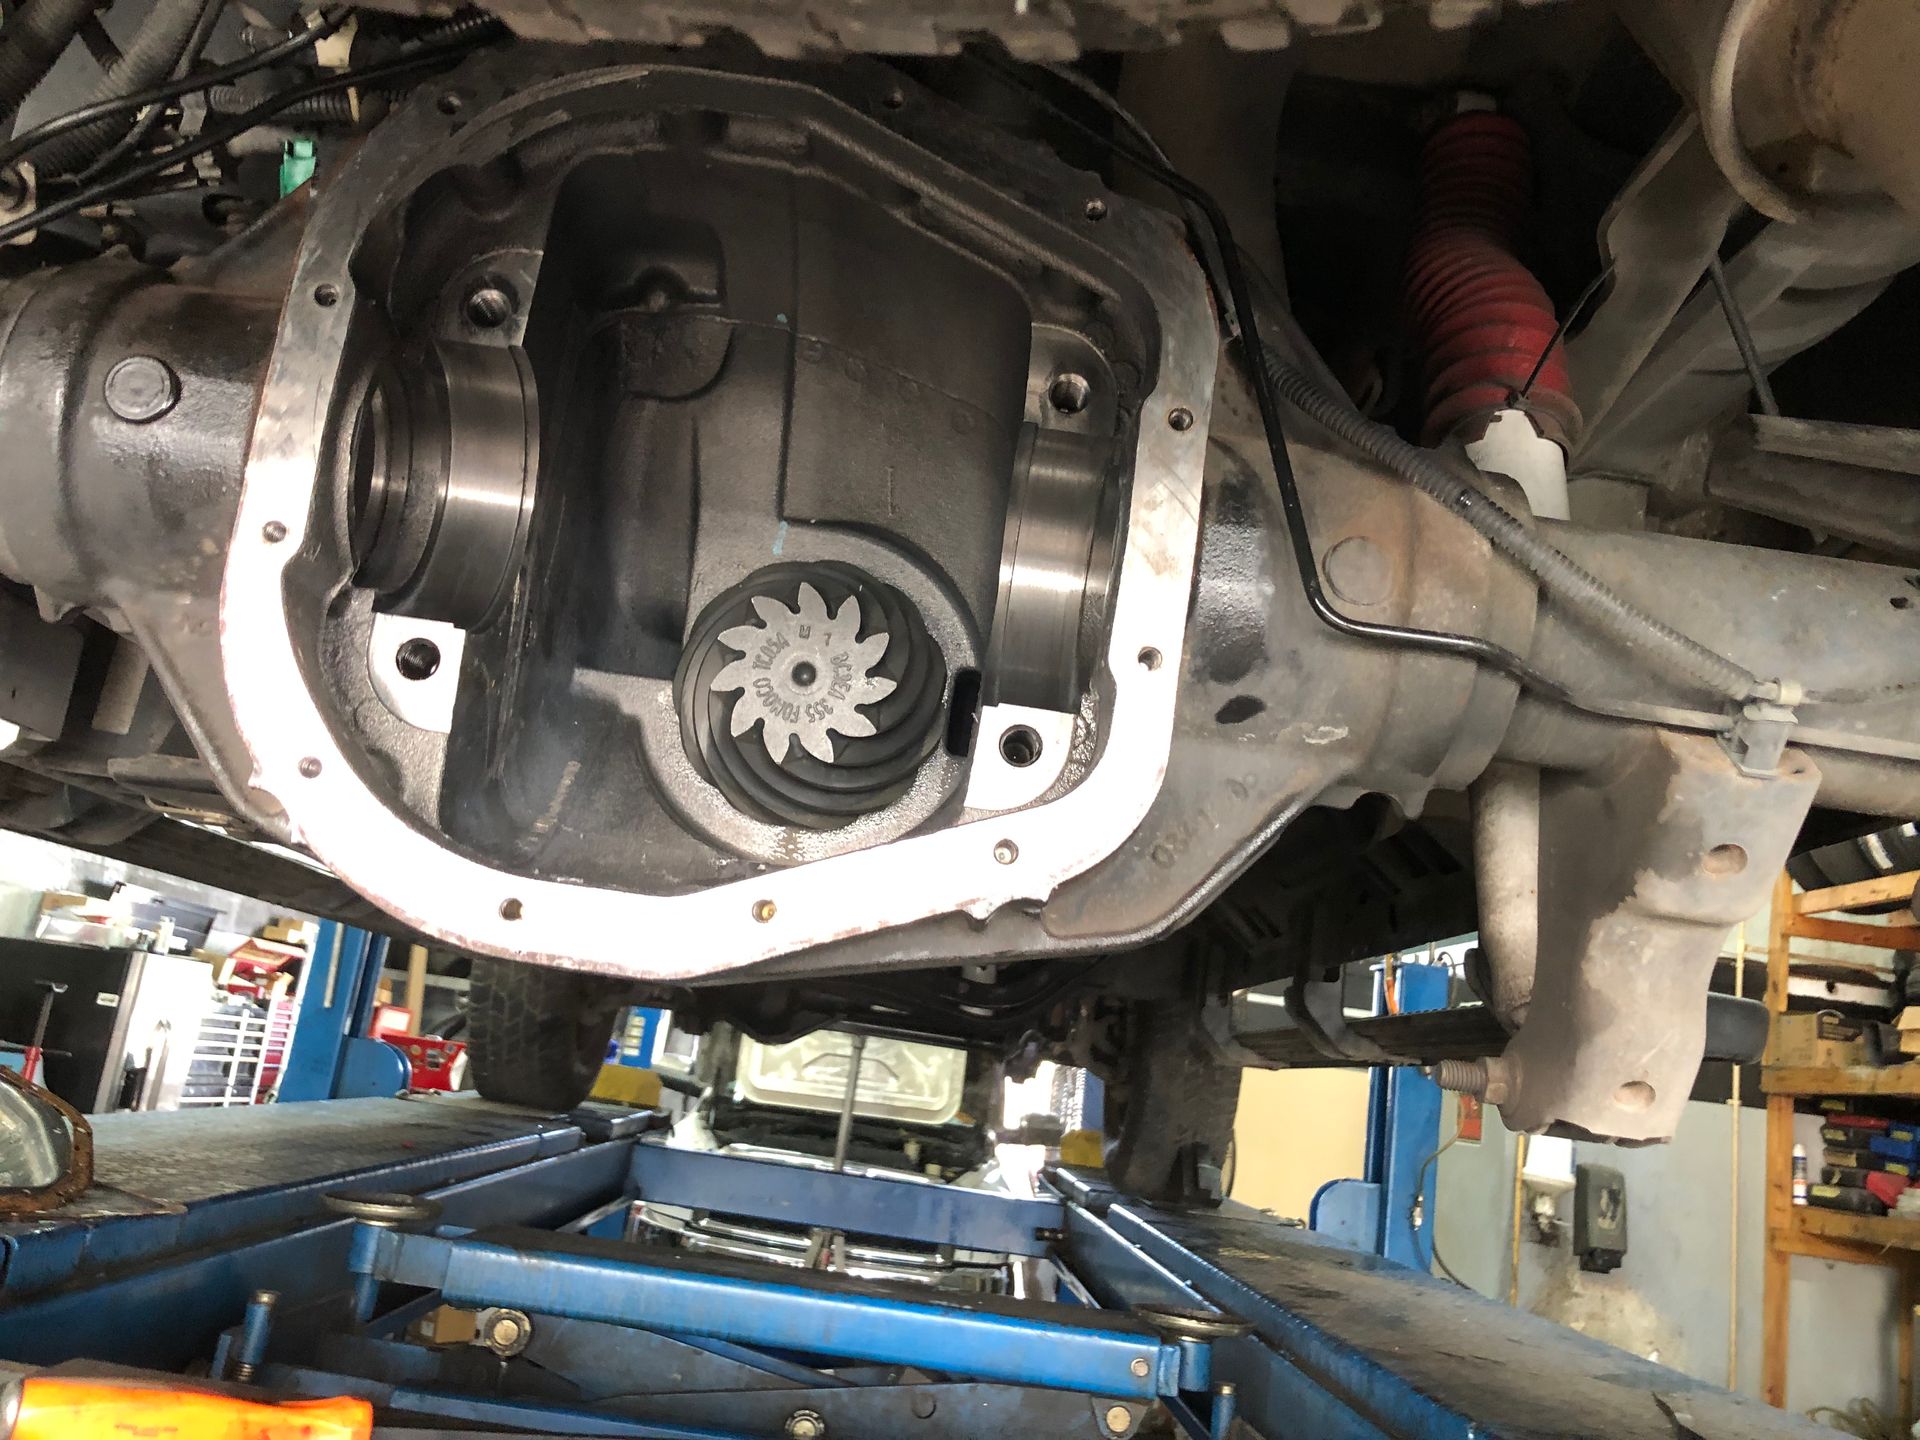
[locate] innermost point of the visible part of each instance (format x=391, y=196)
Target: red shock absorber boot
x=1481, y=318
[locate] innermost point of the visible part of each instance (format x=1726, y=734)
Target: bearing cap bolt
x=141, y=388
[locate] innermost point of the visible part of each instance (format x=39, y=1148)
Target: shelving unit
x=1801, y=1229
x=239, y=1047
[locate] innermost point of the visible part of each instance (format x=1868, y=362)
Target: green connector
x=296, y=166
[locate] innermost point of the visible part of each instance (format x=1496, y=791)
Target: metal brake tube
x=1254, y=353
x=1560, y=576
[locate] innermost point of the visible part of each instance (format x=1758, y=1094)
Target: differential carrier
x=810, y=694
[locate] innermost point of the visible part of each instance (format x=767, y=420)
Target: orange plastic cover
x=53, y=1408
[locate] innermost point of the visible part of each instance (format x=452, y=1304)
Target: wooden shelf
x=1895, y=1080
x=1861, y=892
x=1891, y=1241
x=1856, y=932
x=1880, y=1232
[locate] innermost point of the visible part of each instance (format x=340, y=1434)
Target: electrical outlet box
x=1599, y=1218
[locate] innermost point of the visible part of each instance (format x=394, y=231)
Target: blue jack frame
x=861, y=1205
x=1309, y=1338
x=603, y=1280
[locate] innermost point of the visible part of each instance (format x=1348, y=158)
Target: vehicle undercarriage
x=1014, y=539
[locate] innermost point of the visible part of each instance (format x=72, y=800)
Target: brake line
x=1581, y=592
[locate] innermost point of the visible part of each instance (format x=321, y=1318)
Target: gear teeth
x=875, y=707
x=802, y=675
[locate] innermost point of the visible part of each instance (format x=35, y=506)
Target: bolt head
x=806, y=1425
x=505, y=1332
x=1119, y=1419
x=141, y=388
x=1141, y=1367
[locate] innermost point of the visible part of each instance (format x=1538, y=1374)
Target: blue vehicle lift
x=1389, y=1209
x=331, y=1056
x=323, y=1250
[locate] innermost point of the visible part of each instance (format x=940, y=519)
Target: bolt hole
x=1020, y=745
x=449, y=103
x=1635, y=1095
x=489, y=305
x=1069, y=394
x=310, y=767
x=764, y=910
x=273, y=532
x=326, y=296
x=1180, y=418
x=1901, y=602
x=1149, y=658
x=511, y=909
x=1096, y=210
x=1006, y=852
x=417, y=659
x=1724, y=860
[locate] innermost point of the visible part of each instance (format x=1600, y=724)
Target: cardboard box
x=1823, y=1041
x=1909, y=1027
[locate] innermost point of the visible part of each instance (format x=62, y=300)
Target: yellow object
x=1084, y=1150
x=1294, y=1131
x=55, y=1408
x=626, y=1085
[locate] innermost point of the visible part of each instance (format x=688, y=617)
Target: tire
x=1170, y=1140
x=537, y=1035
x=1884, y=852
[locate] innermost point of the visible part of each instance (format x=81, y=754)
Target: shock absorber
x=1483, y=322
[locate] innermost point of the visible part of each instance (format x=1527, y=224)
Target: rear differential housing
x=738, y=509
